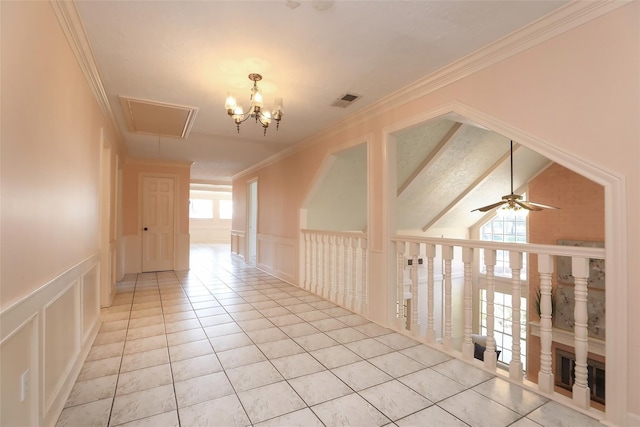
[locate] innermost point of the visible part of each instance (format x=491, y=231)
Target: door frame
x=174, y=178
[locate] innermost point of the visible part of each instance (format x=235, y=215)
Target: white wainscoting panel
x=48, y=332
x=277, y=256
x=238, y=242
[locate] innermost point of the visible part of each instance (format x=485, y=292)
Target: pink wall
x=51, y=145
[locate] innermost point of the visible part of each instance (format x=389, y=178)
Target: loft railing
x=335, y=267
x=458, y=256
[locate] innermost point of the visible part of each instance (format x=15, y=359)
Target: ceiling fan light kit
x=513, y=203
x=262, y=115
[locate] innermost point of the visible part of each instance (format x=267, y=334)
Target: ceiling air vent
x=158, y=118
x=345, y=100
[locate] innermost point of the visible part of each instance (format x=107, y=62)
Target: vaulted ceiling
x=190, y=54
x=445, y=169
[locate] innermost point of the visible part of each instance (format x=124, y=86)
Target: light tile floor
x=225, y=344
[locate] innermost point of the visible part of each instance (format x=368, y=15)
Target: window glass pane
x=502, y=324
x=201, y=208
x=225, y=209
x=511, y=229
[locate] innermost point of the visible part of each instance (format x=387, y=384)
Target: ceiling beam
x=473, y=185
x=433, y=154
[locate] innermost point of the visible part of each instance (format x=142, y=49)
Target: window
x=510, y=228
x=502, y=326
x=225, y=209
x=504, y=228
x=201, y=208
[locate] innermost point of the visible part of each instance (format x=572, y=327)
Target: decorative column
x=580, y=272
x=431, y=325
x=515, y=367
x=467, y=344
x=490, y=361
x=545, y=376
x=332, y=282
x=447, y=256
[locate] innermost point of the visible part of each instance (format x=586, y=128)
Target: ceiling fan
x=513, y=201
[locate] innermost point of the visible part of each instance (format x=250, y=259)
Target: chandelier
x=256, y=110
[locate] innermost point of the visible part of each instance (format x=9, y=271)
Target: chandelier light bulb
x=230, y=103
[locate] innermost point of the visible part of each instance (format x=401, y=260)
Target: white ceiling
x=192, y=53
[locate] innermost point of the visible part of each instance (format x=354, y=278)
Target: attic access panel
x=157, y=118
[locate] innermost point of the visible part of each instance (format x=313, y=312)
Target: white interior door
x=252, y=241
x=157, y=223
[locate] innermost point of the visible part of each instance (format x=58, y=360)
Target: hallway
x=225, y=344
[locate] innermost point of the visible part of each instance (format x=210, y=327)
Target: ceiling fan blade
x=489, y=207
x=540, y=205
x=528, y=206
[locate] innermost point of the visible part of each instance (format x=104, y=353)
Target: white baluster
x=490, y=361
x=431, y=325
x=545, y=376
x=325, y=267
x=318, y=278
x=447, y=256
x=400, y=247
x=332, y=282
x=467, y=344
x=345, y=268
x=414, y=251
x=354, y=273
x=580, y=272
x=515, y=366
x=339, y=268
x=364, y=304
x=307, y=261
x=312, y=262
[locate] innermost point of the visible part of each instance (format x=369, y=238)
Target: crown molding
x=69, y=18
x=564, y=19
